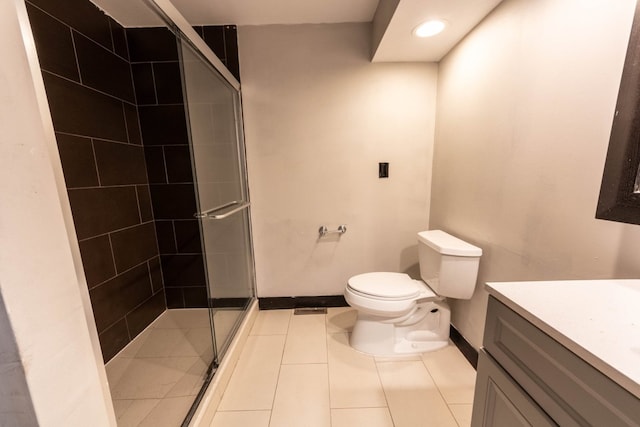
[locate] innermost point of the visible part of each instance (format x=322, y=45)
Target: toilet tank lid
x=447, y=244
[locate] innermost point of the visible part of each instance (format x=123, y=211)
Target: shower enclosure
x=218, y=156
x=149, y=130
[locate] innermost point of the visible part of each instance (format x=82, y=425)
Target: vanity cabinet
x=525, y=377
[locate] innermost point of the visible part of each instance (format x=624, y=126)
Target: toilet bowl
x=399, y=315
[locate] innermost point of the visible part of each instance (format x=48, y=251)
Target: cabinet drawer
x=568, y=389
x=500, y=402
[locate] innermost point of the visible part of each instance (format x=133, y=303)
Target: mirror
x=620, y=190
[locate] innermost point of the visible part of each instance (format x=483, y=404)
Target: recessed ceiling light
x=430, y=28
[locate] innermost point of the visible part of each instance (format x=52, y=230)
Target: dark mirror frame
x=618, y=201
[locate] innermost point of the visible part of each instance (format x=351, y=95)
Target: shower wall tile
x=80, y=110
x=173, y=201
x=133, y=124
x=102, y=210
x=175, y=298
x=78, y=162
x=97, y=260
x=183, y=270
x=134, y=245
x=115, y=298
x=157, y=83
x=103, y=70
x=90, y=90
x=178, y=163
x=163, y=124
x=144, y=83
x=166, y=74
x=187, y=236
x=155, y=270
x=144, y=203
x=166, y=237
x=213, y=36
x=119, y=38
x=80, y=15
x=53, y=39
x=151, y=45
x=146, y=313
x=119, y=164
x=156, y=171
x=195, y=297
x=114, y=339
x=223, y=41
x=231, y=48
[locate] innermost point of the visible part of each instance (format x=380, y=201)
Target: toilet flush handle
x=429, y=299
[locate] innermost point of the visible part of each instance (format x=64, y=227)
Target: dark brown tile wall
x=158, y=89
x=223, y=41
x=85, y=65
x=110, y=89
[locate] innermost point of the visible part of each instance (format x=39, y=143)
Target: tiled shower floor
x=300, y=371
x=155, y=379
x=293, y=371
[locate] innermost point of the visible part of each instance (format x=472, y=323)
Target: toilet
x=399, y=315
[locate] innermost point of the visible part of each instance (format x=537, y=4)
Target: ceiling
x=397, y=44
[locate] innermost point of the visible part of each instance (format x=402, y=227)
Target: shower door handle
x=211, y=213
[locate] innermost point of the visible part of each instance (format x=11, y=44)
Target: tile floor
x=300, y=371
x=154, y=380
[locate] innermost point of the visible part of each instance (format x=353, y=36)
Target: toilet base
x=426, y=330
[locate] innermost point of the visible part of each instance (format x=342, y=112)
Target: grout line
x=75, y=54
x=95, y=162
x=153, y=78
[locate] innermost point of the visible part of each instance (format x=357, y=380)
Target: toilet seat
x=388, y=286
x=384, y=294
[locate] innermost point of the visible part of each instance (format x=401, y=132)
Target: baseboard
x=275, y=303
x=229, y=302
x=470, y=353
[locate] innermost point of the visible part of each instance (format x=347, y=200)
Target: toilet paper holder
x=323, y=230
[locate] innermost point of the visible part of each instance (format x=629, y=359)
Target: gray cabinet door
x=500, y=402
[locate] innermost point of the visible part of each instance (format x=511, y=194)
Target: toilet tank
x=447, y=264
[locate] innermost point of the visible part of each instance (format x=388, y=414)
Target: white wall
x=318, y=119
x=525, y=106
x=50, y=355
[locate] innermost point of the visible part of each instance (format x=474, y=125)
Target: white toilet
x=399, y=315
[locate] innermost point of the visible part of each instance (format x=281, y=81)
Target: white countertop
x=599, y=320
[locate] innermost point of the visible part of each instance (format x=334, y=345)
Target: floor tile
x=272, y=322
x=452, y=373
x=413, y=398
x=306, y=340
x=462, y=414
x=161, y=343
x=116, y=369
x=151, y=378
x=169, y=412
x=183, y=319
x=242, y=419
x=136, y=411
x=253, y=382
x=353, y=376
x=369, y=417
x=191, y=382
x=132, y=348
x=194, y=342
x=340, y=319
x=302, y=397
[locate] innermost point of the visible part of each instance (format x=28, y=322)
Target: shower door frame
x=220, y=347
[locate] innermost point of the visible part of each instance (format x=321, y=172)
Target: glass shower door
x=218, y=158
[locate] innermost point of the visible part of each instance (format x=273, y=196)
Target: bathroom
x=502, y=144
